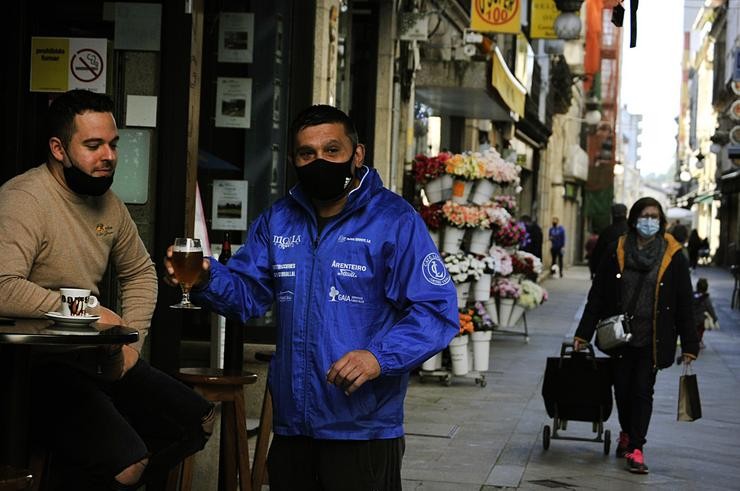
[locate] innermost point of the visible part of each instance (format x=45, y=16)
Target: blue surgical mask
x=647, y=227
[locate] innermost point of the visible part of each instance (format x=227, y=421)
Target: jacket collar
x=672, y=246
x=370, y=183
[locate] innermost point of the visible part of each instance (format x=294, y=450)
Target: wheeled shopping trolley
x=577, y=387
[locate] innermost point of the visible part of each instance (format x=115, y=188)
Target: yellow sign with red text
x=496, y=15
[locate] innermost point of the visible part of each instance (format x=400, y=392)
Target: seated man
x=110, y=420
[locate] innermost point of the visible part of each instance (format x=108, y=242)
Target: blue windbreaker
x=372, y=280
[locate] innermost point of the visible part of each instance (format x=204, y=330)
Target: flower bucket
x=483, y=191
x=461, y=191
x=481, y=350
x=459, y=355
x=505, y=306
x=435, y=234
x=447, y=182
x=433, y=190
x=490, y=306
x=452, y=239
x=482, y=289
x=463, y=293
x=516, y=313
x=433, y=363
x=480, y=240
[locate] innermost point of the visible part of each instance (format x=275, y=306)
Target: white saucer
x=71, y=320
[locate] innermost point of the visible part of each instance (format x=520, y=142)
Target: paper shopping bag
x=689, y=405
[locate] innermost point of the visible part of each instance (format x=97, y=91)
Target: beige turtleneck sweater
x=51, y=238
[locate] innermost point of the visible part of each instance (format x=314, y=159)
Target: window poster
x=233, y=102
x=229, y=205
x=235, y=37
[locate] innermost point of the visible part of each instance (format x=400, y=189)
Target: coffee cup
x=76, y=301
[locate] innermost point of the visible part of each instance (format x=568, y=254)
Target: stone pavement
x=466, y=437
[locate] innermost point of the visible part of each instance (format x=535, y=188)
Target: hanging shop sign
x=542, y=19
x=496, y=15
x=62, y=64
x=509, y=88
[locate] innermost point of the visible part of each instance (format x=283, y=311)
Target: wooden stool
x=227, y=387
x=12, y=479
x=259, y=466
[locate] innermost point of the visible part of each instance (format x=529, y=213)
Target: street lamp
x=568, y=23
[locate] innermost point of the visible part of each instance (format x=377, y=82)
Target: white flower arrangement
x=531, y=295
x=464, y=267
x=501, y=260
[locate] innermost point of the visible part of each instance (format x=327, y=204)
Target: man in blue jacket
x=557, y=242
x=362, y=297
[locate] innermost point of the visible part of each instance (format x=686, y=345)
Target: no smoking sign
x=86, y=65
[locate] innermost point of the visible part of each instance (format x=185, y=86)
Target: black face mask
x=326, y=181
x=81, y=183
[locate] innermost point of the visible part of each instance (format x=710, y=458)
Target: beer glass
x=187, y=261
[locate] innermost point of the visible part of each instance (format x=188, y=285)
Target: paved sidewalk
x=465, y=437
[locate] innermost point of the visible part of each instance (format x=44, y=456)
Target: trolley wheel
x=546, y=437
x=607, y=441
x=447, y=380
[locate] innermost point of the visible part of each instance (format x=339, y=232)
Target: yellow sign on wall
x=496, y=15
x=542, y=22
x=49, y=61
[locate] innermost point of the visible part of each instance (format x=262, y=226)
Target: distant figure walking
x=703, y=310
x=557, y=242
x=694, y=245
x=609, y=235
x=533, y=245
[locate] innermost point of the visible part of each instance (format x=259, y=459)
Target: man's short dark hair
x=640, y=205
x=62, y=111
x=322, y=114
x=619, y=210
x=526, y=218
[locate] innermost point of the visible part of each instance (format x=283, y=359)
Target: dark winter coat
x=672, y=313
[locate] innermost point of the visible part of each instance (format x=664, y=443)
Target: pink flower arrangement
x=428, y=168
x=506, y=201
x=509, y=234
x=501, y=261
x=504, y=288
x=432, y=216
x=497, y=215
x=481, y=320
x=464, y=216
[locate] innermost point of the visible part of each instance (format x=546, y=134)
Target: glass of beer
x=187, y=261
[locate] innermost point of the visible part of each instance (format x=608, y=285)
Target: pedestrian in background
x=681, y=233
x=557, y=242
x=703, y=308
x=610, y=234
x=533, y=245
x=694, y=245
x=645, y=268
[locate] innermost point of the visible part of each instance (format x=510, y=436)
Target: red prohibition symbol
x=86, y=65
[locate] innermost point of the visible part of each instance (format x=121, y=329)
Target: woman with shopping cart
x=645, y=277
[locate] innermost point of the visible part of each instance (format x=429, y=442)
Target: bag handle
x=686, y=369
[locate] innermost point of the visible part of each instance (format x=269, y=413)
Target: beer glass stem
x=185, y=296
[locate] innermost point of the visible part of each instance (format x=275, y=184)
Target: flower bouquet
x=506, y=201
x=526, y=264
x=466, y=166
x=464, y=267
x=498, y=169
x=498, y=215
x=500, y=261
x=509, y=234
x=432, y=216
x=464, y=216
x=531, y=295
x=426, y=169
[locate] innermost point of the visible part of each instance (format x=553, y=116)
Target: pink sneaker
x=636, y=462
x=622, y=444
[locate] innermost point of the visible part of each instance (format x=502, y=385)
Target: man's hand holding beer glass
x=186, y=267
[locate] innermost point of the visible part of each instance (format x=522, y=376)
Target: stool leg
x=259, y=469
x=229, y=453
x=245, y=482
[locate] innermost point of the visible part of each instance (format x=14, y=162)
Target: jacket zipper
x=314, y=248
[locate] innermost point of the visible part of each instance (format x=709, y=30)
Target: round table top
x=46, y=332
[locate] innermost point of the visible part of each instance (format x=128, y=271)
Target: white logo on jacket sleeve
x=434, y=270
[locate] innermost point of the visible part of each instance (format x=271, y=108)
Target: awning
x=462, y=101
x=509, y=88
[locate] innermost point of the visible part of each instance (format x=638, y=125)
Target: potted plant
x=530, y=297
x=526, y=264
x=429, y=172
x=464, y=168
x=509, y=234
x=507, y=292
x=481, y=337
x=459, y=218
x=459, y=344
